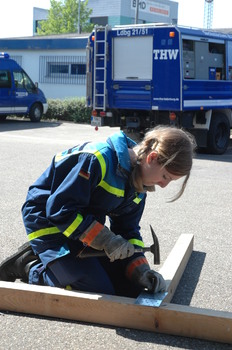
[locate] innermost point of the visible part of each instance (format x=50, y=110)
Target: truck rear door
x=131, y=70
x=166, y=70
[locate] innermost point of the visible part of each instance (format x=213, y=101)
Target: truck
x=140, y=76
x=19, y=96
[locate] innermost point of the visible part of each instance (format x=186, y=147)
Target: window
x=63, y=69
x=125, y=50
x=22, y=81
x=5, y=80
x=188, y=45
x=101, y=21
x=78, y=69
x=58, y=68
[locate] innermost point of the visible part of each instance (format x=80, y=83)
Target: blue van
x=18, y=94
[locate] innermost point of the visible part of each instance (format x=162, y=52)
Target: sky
x=18, y=15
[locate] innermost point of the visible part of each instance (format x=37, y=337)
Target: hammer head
x=154, y=248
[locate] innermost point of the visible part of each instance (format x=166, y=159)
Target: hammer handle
x=93, y=253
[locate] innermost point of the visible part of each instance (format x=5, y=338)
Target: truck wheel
x=219, y=134
x=36, y=112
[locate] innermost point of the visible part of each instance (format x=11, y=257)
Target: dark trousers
x=97, y=275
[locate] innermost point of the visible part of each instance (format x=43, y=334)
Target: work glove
x=141, y=274
x=153, y=281
x=115, y=246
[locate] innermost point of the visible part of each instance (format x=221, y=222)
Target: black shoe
x=17, y=266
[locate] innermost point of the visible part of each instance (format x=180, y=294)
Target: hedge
x=69, y=109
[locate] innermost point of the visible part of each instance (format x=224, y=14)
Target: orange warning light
x=172, y=116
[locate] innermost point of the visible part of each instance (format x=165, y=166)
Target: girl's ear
x=152, y=156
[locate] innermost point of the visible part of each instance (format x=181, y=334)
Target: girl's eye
x=164, y=177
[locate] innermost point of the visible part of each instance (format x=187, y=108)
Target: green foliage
x=70, y=109
x=63, y=17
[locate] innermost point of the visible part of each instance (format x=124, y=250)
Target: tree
x=63, y=18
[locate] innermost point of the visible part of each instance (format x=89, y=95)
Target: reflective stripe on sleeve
x=74, y=225
x=43, y=232
x=136, y=242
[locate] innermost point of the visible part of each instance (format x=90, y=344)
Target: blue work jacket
x=88, y=182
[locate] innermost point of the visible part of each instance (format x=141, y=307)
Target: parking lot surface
x=205, y=210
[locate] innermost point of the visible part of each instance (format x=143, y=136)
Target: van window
x=5, y=79
x=22, y=81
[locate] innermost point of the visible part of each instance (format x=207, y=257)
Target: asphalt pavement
x=204, y=210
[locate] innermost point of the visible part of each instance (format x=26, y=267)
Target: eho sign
x=142, y=4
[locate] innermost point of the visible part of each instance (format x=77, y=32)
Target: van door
x=6, y=103
x=24, y=92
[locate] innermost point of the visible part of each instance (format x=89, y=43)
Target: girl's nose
x=164, y=183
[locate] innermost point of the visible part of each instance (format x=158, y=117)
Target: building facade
x=57, y=63
x=124, y=11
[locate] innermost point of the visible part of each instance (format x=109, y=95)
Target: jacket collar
x=120, y=143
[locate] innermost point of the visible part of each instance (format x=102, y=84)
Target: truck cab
x=18, y=94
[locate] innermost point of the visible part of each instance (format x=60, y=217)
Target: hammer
x=154, y=249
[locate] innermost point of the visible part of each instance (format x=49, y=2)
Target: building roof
x=48, y=42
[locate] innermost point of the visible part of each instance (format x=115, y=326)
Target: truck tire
x=36, y=112
x=219, y=134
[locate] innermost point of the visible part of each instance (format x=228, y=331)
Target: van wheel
x=219, y=134
x=36, y=112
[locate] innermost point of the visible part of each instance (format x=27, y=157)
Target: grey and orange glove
x=100, y=237
x=139, y=272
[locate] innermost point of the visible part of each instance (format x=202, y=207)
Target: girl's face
x=153, y=173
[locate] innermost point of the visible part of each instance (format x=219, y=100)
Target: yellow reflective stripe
x=53, y=230
x=137, y=200
x=73, y=225
x=136, y=242
x=68, y=287
x=102, y=162
x=43, y=232
x=97, y=153
x=113, y=190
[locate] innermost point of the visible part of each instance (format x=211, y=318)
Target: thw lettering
x=165, y=54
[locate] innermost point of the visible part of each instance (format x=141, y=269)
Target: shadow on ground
x=26, y=124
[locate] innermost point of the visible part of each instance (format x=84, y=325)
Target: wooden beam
x=174, y=266
x=116, y=311
x=123, y=312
